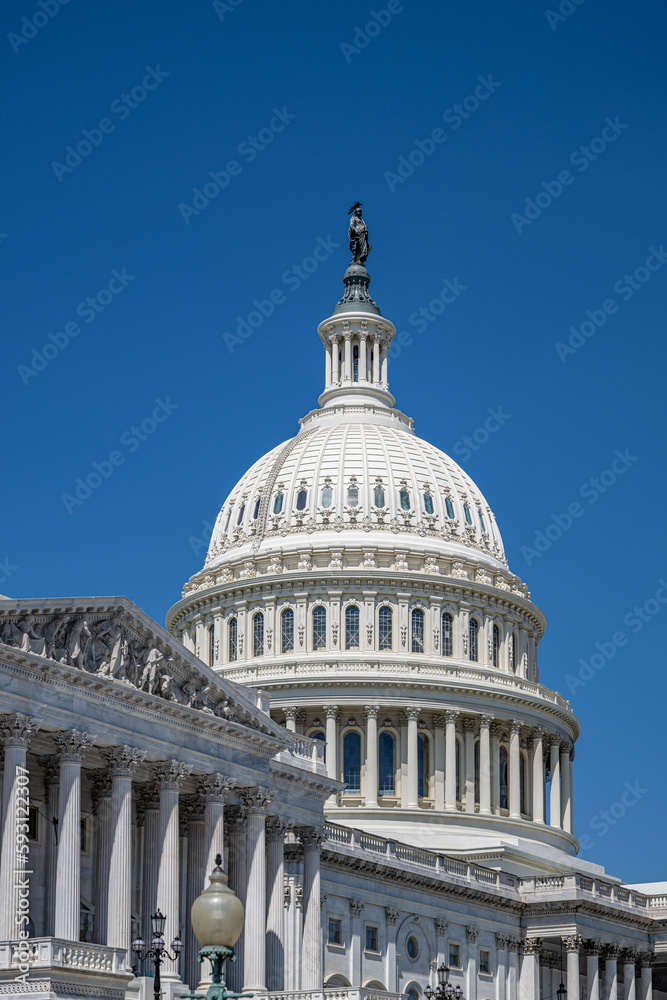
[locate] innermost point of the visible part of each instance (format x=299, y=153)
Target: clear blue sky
x=215, y=86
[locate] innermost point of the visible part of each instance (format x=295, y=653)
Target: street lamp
x=444, y=990
x=217, y=920
x=157, y=951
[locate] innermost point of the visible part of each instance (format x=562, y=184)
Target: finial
x=218, y=862
x=358, y=235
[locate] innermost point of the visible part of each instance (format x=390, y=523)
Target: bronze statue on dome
x=358, y=235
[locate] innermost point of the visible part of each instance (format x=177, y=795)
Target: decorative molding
x=17, y=729
x=256, y=800
x=169, y=774
x=123, y=760
x=214, y=787
x=72, y=745
x=356, y=908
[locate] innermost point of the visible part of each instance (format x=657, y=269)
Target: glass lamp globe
x=217, y=915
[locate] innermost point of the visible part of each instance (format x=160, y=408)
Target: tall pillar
x=501, y=966
x=439, y=724
x=335, y=361
x=311, y=838
x=169, y=774
x=572, y=945
x=450, y=760
x=611, y=953
x=213, y=788
x=554, y=798
x=371, y=759
x=469, y=728
x=101, y=797
x=496, y=732
x=538, y=775
x=275, y=927
x=16, y=731
x=485, y=764
x=356, y=909
x=530, y=969
x=592, y=949
x=347, y=357
x=256, y=801
x=515, y=773
x=362, y=357
x=327, y=365
x=148, y=814
x=238, y=882
x=411, y=799
x=290, y=718
x=197, y=881
x=565, y=787
x=376, y=360
x=52, y=783
x=331, y=745
x=384, y=379
x=471, y=974
x=629, y=958
x=391, y=970
x=512, y=969
x=646, y=960
x=71, y=747
x=122, y=762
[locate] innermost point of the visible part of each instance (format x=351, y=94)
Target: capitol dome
x=357, y=577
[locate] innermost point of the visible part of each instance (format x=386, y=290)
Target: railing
x=550, y=882
x=657, y=901
x=56, y=953
x=337, y=993
x=416, y=856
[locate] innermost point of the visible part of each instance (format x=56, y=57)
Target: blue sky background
x=356, y=114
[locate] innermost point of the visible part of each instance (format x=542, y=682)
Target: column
x=383, y=371
x=198, y=875
x=371, y=760
x=450, y=760
x=554, y=799
x=439, y=723
x=629, y=959
x=16, y=731
x=331, y=712
x=335, y=366
x=169, y=775
x=611, y=952
x=327, y=365
x=356, y=909
x=311, y=838
x=592, y=949
x=530, y=969
x=411, y=800
x=469, y=728
x=71, y=747
x=101, y=796
x=362, y=360
x=376, y=360
x=646, y=960
x=569, y=768
x=485, y=764
x=538, y=776
x=275, y=932
x=572, y=944
x=501, y=966
x=514, y=769
x=256, y=801
x=347, y=357
x=290, y=718
x=238, y=882
x=213, y=788
x=471, y=975
x=122, y=762
x=52, y=783
x=512, y=969
x=565, y=787
x=148, y=813
x=391, y=971
x=496, y=732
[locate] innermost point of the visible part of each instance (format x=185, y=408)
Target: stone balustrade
x=51, y=952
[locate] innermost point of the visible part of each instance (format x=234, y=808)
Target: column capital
x=441, y=925
x=612, y=951
x=256, y=799
x=356, y=907
x=100, y=782
x=451, y=715
x=235, y=819
x=72, y=745
x=371, y=711
x=148, y=797
x=439, y=721
x=409, y=714
x=515, y=729
x=471, y=934
x=628, y=956
x=214, y=787
x=191, y=808
x=553, y=741
x=496, y=731
x=646, y=959
x=290, y=713
x=485, y=721
x=531, y=945
x=331, y=711
x=572, y=942
x=51, y=770
x=536, y=734
x=276, y=827
x=566, y=747
x=312, y=837
x=592, y=946
x=469, y=726
x=169, y=774
x=501, y=940
x=123, y=760
x=512, y=943
x=392, y=914
x=17, y=729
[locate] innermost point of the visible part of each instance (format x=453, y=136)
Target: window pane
x=327, y=496
x=352, y=761
x=428, y=503
x=522, y=783
x=417, y=630
x=371, y=939
x=352, y=627
x=458, y=771
x=466, y=511
x=355, y=363
x=352, y=496
x=255, y=514
x=405, y=499
x=474, y=639
x=211, y=646
x=379, y=496
x=258, y=634
x=278, y=503
x=386, y=630
x=447, y=634
x=503, y=778
x=334, y=931
x=319, y=628
x=422, y=765
x=496, y=645
x=477, y=772
x=241, y=513
x=232, y=638
x=450, y=507
x=387, y=764
x=287, y=631
x=301, y=499
x=512, y=651
x=481, y=520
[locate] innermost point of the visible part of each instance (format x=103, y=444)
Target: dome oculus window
x=467, y=514
x=428, y=503
x=404, y=497
x=327, y=496
x=352, y=496
x=352, y=627
x=412, y=948
x=319, y=627
x=301, y=499
x=449, y=507
x=378, y=496
x=278, y=503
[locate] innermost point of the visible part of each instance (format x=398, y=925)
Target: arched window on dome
x=495, y=646
x=255, y=513
x=378, y=496
x=352, y=627
x=258, y=634
x=232, y=639
x=355, y=363
x=417, y=630
x=449, y=507
x=447, y=634
x=241, y=513
x=474, y=640
x=477, y=781
x=512, y=652
x=386, y=627
x=423, y=766
x=467, y=514
x=327, y=496
x=352, y=762
x=229, y=517
x=353, y=496
x=301, y=499
x=387, y=763
x=523, y=798
x=428, y=503
x=503, y=778
x=482, y=522
x=278, y=503
x=319, y=627
x=287, y=631
x=211, y=645
x=404, y=497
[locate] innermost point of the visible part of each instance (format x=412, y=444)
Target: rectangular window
x=485, y=961
x=454, y=956
x=371, y=938
x=33, y=828
x=83, y=835
x=335, y=931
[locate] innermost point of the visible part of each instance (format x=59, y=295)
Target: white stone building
x=346, y=704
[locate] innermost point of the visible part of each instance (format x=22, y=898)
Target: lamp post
x=444, y=990
x=158, y=950
x=217, y=920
